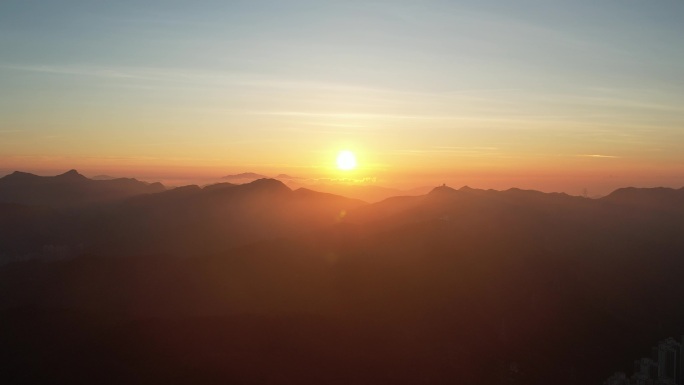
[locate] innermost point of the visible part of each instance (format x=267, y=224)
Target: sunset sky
x=550, y=95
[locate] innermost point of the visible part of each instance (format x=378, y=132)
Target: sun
x=346, y=160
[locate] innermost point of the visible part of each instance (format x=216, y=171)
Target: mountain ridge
x=69, y=189
x=472, y=286
x=244, y=175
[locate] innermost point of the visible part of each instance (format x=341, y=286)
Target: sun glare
x=346, y=160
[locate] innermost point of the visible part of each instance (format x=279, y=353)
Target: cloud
x=196, y=77
x=78, y=70
x=597, y=156
x=456, y=150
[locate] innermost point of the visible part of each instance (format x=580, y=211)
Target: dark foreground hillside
x=458, y=286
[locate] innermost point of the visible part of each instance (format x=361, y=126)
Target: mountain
x=102, y=177
x=368, y=193
x=244, y=177
x=470, y=206
x=364, y=192
x=184, y=220
x=259, y=283
x=28, y=232
x=656, y=198
x=69, y=190
x=215, y=218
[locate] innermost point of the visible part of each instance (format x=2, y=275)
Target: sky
x=551, y=95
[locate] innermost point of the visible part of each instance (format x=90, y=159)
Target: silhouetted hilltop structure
x=70, y=189
x=442, y=190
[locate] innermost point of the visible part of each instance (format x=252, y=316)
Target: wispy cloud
x=597, y=156
x=466, y=148
x=181, y=75
x=336, y=125
x=454, y=150
x=77, y=70
x=349, y=115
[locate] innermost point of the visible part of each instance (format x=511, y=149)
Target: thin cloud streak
x=598, y=156
x=163, y=77
x=215, y=78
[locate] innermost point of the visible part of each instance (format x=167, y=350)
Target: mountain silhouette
x=102, y=177
x=244, y=177
x=660, y=197
x=188, y=219
x=259, y=283
x=70, y=189
x=365, y=192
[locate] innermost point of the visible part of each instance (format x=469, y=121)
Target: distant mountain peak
x=218, y=186
x=443, y=189
x=653, y=196
x=70, y=189
x=71, y=174
x=268, y=184
x=19, y=175
x=244, y=175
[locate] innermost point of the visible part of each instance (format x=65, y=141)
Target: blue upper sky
x=426, y=45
